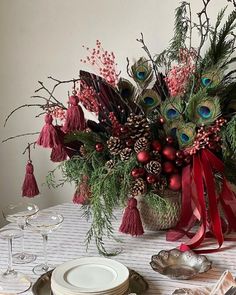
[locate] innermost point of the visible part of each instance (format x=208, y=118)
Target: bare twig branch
x=28, y=149
x=20, y=135
x=204, y=26
x=127, y=68
x=157, y=74
x=20, y=107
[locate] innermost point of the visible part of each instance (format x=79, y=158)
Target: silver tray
x=179, y=265
x=137, y=284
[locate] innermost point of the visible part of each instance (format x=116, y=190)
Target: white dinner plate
x=117, y=291
x=90, y=275
x=122, y=291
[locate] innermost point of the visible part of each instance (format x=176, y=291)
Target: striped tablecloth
x=68, y=243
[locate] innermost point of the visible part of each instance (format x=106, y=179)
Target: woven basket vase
x=164, y=218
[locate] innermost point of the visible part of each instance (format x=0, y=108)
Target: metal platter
x=137, y=283
x=179, y=265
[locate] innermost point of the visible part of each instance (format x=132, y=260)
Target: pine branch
x=181, y=29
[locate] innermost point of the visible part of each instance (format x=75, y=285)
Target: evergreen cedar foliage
x=209, y=81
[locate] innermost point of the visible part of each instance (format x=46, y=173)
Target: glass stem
x=45, y=240
x=9, y=268
x=22, y=227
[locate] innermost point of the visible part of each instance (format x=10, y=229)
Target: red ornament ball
x=129, y=142
x=161, y=120
x=169, y=153
x=175, y=182
x=135, y=172
x=143, y=157
x=99, y=147
x=156, y=145
x=179, y=162
x=142, y=172
x=168, y=167
x=180, y=154
x=124, y=129
x=151, y=178
x=170, y=139
x=188, y=159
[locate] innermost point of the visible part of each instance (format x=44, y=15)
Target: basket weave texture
x=164, y=218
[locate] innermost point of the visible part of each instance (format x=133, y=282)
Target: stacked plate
x=90, y=276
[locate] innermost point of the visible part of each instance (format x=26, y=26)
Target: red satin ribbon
x=197, y=180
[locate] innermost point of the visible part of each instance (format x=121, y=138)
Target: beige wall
x=44, y=37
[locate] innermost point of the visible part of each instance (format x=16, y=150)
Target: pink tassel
x=131, y=222
x=30, y=187
x=58, y=154
x=82, y=193
x=48, y=137
x=74, y=116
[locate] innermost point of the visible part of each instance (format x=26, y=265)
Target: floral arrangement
x=171, y=127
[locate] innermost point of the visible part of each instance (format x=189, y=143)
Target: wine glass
x=44, y=222
x=12, y=281
x=18, y=213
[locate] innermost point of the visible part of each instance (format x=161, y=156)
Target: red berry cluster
x=207, y=137
x=104, y=61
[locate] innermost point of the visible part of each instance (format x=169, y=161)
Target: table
x=68, y=243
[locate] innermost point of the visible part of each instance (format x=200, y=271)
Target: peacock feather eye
x=142, y=72
x=171, y=127
x=126, y=89
x=172, y=109
x=206, y=82
x=203, y=109
x=172, y=114
x=186, y=134
x=184, y=137
x=204, y=112
x=211, y=78
x=149, y=100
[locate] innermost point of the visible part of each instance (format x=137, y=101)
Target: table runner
x=68, y=243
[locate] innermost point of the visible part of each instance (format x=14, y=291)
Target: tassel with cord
x=131, y=221
x=82, y=193
x=48, y=137
x=58, y=153
x=29, y=187
x=75, y=120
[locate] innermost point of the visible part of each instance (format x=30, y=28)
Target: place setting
x=90, y=275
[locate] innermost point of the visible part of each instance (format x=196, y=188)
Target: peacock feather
x=186, y=134
x=149, y=100
x=126, y=89
x=141, y=72
x=203, y=109
x=172, y=109
x=211, y=78
x=171, y=127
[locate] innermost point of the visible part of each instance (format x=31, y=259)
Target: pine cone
x=83, y=151
x=138, y=126
x=139, y=187
x=114, y=145
x=142, y=144
x=125, y=154
x=110, y=164
x=153, y=167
